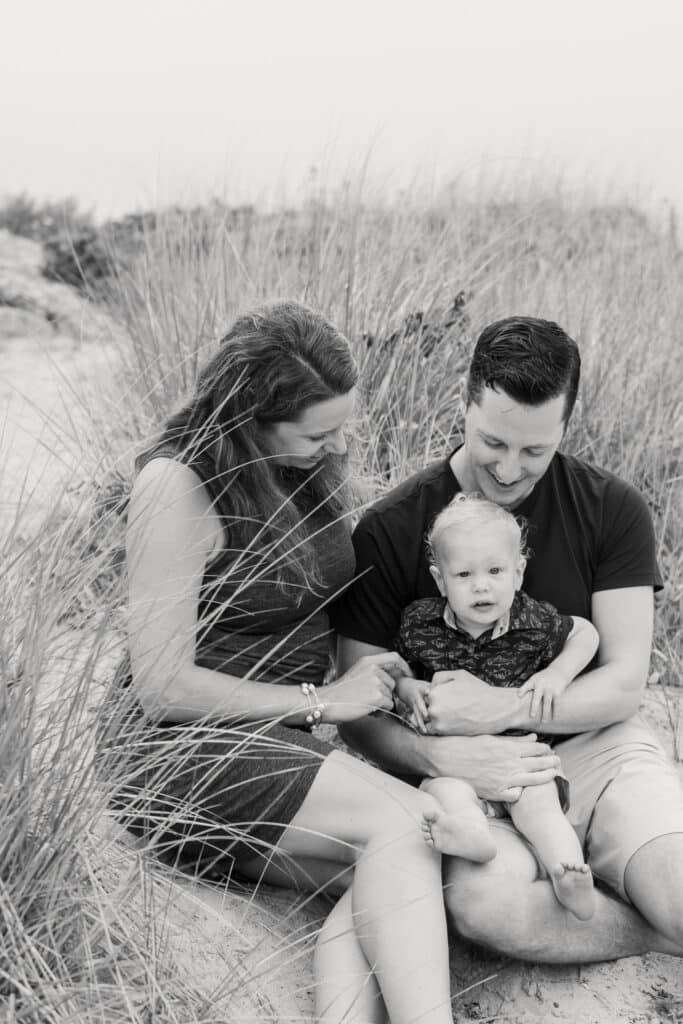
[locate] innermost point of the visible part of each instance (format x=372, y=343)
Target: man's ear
x=438, y=579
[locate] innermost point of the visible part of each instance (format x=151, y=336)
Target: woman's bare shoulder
x=168, y=494
x=171, y=478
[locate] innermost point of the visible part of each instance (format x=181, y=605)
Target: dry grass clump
x=75, y=931
x=411, y=285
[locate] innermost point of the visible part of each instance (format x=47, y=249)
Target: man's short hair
x=531, y=360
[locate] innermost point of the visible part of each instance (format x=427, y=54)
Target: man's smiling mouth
x=500, y=482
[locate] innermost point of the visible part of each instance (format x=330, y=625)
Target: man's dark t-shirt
x=587, y=531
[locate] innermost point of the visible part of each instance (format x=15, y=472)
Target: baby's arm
x=413, y=693
x=547, y=685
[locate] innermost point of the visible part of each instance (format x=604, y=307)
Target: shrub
x=80, y=258
x=27, y=218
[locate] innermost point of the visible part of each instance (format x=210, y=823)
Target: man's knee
x=485, y=902
x=653, y=882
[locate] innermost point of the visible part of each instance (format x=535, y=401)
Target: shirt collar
x=500, y=627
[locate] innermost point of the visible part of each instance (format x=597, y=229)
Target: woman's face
x=316, y=433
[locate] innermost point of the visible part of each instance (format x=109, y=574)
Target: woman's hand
x=368, y=686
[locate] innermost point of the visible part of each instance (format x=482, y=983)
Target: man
x=592, y=547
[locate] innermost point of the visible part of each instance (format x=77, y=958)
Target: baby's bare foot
x=465, y=834
x=573, y=885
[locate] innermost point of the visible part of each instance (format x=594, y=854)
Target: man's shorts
x=624, y=792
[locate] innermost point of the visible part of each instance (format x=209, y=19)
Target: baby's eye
x=495, y=570
x=317, y=437
x=463, y=574
x=490, y=443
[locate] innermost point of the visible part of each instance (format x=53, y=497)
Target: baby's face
x=478, y=571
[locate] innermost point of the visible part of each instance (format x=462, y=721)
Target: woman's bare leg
x=346, y=988
x=357, y=814
x=306, y=874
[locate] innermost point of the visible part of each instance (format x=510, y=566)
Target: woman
x=238, y=537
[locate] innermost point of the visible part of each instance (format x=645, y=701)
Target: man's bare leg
x=654, y=883
x=504, y=906
x=540, y=818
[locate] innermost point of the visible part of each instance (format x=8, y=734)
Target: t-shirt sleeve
x=370, y=608
x=626, y=554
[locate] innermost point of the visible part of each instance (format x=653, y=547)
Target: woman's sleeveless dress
x=212, y=796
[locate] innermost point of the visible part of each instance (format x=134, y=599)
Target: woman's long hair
x=270, y=367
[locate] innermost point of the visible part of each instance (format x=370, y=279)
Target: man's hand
x=459, y=704
x=545, y=687
x=497, y=767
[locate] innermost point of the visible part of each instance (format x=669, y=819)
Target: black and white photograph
x=341, y=512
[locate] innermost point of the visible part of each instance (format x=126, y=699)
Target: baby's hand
x=545, y=687
x=413, y=693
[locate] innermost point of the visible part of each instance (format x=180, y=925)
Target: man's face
x=508, y=446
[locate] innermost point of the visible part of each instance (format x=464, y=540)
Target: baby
x=484, y=623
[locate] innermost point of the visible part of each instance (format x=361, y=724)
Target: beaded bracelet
x=314, y=716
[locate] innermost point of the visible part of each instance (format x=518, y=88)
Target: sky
x=145, y=102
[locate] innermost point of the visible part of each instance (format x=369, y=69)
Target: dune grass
x=82, y=916
x=604, y=273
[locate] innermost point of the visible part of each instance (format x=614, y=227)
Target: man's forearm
x=386, y=741
x=497, y=767
x=465, y=706
x=400, y=750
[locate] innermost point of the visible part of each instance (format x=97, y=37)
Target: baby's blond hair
x=468, y=511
